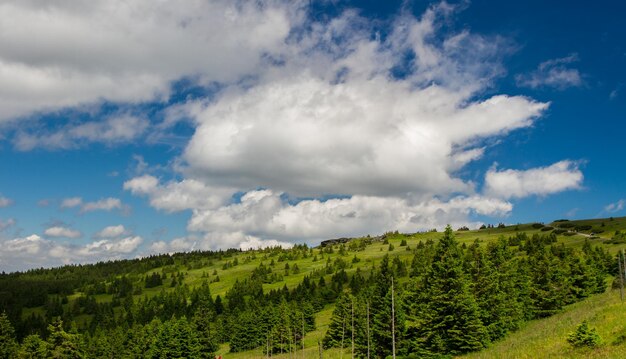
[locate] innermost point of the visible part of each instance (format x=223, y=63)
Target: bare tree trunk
x=393, y=324
x=368, y=330
x=343, y=331
x=321, y=349
x=621, y=277
x=352, y=328
x=623, y=266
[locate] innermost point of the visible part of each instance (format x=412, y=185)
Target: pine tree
x=383, y=320
x=450, y=322
x=338, y=322
x=62, y=344
x=551, y=283
x=202, y=325
x=176, y=339
x=33, y=347
x=8, y=344
x=496, y=286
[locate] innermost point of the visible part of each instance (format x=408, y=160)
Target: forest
x=429, y=296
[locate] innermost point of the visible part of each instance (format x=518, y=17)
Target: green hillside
x=33, y=299
x=546, y=338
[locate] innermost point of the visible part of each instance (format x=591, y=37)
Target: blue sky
x=214, y=125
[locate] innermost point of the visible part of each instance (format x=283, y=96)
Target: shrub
x=585, y=227
x=403, y=243
x=538, y=225
x=547, y=228
x=584, y=336
x=569, y=233
x=559, y=231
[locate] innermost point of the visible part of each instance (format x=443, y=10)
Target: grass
x=546, y=338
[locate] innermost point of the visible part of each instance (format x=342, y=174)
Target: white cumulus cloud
x=541, y=181
x=34, y=251
x=119, y=51
x=64, y=232
x=267, y=215
x=112, y=232
x=177, y=196
x=332, y=142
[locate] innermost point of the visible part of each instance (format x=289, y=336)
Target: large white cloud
x=377, y=136
x=305, y=109
x=336, y=118
x=71, y=54
x=542, y=181
x=266, y=214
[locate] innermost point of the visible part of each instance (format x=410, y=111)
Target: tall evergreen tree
x=450, y=322
x=206, y=336
x=8, y=344
x=385, y=322
x=63, y=345
x=33, y=347
x=339, y=327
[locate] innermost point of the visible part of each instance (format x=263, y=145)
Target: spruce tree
x=339, y=327
x=451, y=321
x=206, y=336
x=62, y=344
x=33, y=347
x=496, y=286
x=383, y=320
x=8, y=344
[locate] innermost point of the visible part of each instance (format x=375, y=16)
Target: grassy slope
x=546, y=338
x=369, y=258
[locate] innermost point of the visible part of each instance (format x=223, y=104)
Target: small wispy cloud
x=6, y=224
x=615, y=207
x=113, y=130
x=5, y=202
x=556, y=73
x=615, y=93
x=104, y=204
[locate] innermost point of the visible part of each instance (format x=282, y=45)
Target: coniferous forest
x=439, y=298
